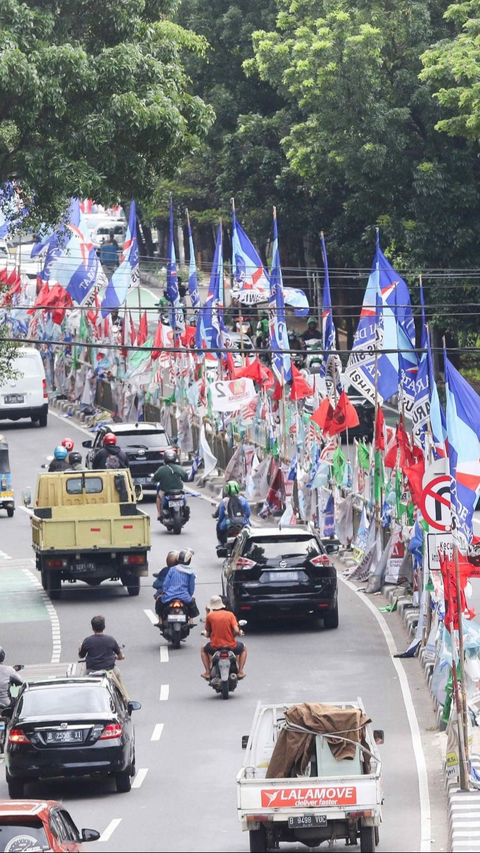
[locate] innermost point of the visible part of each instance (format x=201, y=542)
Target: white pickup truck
x=333, y=799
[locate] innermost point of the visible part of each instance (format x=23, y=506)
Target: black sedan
x=70, y=727
x=275, y=572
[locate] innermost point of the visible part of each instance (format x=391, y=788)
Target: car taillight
x=244, y=563
x=321, y=560
x=111, y=731
x=17, y=736
x=45, y=392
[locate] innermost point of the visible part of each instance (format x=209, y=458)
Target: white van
x=25, y=395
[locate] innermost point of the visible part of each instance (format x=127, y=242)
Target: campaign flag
x=421, y=403
x=250, y=280
x=232, y=395
x=195, y=466
x=331, y=369
x=209, y=333
x=344, y=417
x=127, y=274
x=172, y=275
x=192, y=270
x=438, y=422
x=209, y=460
x=463, y=428
x=297, y=299
x=279, y=345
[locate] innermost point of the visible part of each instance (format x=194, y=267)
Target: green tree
x=94, y=99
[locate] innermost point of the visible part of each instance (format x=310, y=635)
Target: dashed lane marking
x=164, y=692
x=164, y=658
x=157, y=732
x=112, y=826
x=140, y=778
x=151, y=615
x=53, y=616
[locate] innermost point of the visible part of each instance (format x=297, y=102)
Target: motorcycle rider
x=312, y=333
x=233, y=511
x=8, y=676
x=172, y=560
x=75, y=462
x=110, y=456
x=222, y=629
x=180, y=583
x=169, y=477
x=263, y=331
x=59, y=461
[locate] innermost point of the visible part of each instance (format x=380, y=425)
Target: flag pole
x=377, y=508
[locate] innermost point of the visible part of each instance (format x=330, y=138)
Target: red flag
x=257, y=371
x=414, y=475
x=3, y=276
x=379, y=430
x=106, y=327
x=323, y=415
x=142, y=335
x=231, y=369
x=300, y=386
x=277, y=391
x=391, y=447
x=188, y=336
x=406, y=455
x=60, y=301
x=40, y=300
x=344, y=417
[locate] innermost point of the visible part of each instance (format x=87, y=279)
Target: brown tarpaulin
x=294, y=748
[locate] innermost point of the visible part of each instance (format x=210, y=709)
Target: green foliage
x=94, y=99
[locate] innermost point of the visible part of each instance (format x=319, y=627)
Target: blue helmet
x=60, y=452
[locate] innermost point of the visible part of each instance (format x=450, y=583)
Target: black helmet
x=2, y=654
x=170, y=456
x=75, y=458
x=185, y=557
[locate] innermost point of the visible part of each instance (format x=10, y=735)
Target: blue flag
x=297, y=299
x=281, y=361
x=172, y=283
x=127, y=274
x=331, y=368
x=250, y=281
x=192, y=271
x=463, y=427
x=421, y=405
x=209, y=333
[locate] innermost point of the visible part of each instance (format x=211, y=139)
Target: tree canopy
x=94, y=99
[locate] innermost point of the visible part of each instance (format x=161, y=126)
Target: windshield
x=75, y=699
x=4, y=461
x=146, y=440
x=22, y=835
x=262, y=549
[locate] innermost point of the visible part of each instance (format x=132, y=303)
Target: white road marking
x=157, y=732
x=139, y=778
x=4, y=556
x=164, y=654
x=151, y=615
x=53, y=615
x=164, y=692
x=106, y=836
x=424, y=795
x=71, y=421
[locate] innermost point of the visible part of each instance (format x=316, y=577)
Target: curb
x=463, y=806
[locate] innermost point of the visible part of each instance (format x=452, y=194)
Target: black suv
x=272, y=572
x=144, y=443
x=70, y=727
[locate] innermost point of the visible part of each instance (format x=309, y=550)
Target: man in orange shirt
x=222, y=630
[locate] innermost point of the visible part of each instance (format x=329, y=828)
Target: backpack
x=235, y=510
x=112, y=462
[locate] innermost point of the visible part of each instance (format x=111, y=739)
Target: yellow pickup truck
x=86, y=525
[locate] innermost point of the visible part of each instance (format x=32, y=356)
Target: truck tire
x=43, y=420
x=133, y=586
x=331, y=618
x=258, y=841
x=54, y=585
x=10, y=511
x=367, y=839
x=177, y=524
x=43, y=576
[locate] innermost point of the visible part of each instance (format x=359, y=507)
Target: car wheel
x=331, y=618
x=43, y=420
x=123, y=781
x=16, y=788
x=10, y=511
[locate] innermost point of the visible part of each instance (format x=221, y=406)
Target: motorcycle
x=176, y=512
x=3, y=720
x=175, y=625
x=224, y=551
x=224, y=670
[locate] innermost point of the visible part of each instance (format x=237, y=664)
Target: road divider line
x=164, y=692
x=157, y=732
x=53, y=616
x=419, y=755
x=164, y=654
x=151, y=615
x=112, y=826
x=140, y=778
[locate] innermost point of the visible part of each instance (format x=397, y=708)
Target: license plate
x=72, y=736
x=280, y=577
x=175, y=504
x=307, y=820
x=14, y=398
x=181, y=618
x=85, y=567
x=6, y=494
x=141, y=481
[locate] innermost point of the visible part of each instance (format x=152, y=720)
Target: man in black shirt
x=100, y=650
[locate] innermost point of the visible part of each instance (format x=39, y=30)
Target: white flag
x=206, y=454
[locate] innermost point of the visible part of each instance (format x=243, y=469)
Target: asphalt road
x=188, y=739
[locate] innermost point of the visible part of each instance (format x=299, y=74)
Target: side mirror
x=27, y=497
x=138, y=492
x=89, y=835
x=379, y=736
x=87, y=443
x=244, y=741
x=7, y=713
x=134, y=706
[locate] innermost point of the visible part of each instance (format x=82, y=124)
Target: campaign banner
x=232, y=395
x=309, y=797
